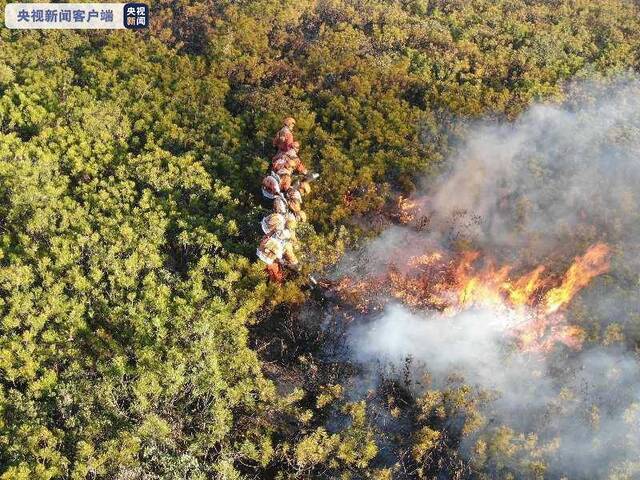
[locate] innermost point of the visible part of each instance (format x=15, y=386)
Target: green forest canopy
x=129, y=201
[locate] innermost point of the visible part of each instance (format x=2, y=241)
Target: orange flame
x=584, y=268
x=411, y=211
x=436, y=281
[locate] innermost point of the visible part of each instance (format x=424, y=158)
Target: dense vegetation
x=138, y=334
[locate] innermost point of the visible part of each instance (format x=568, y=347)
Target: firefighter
x=289, y=257
x=280, y=204
x=290, y=161
x=288, y=238
x=294, y=160
x=275, y=222
x=285, y=179
x=283, y=140
x=277, y=250
x=280, y=162
x=294, y=202
x=283, y=167
x=271, y=186
x=292, y=171
x=293, y=196
x=288, y=232
x=271, y=251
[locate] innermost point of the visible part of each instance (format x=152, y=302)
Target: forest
x=140, y=337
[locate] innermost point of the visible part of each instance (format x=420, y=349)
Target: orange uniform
x=283, y=140
x=275, y=272
x=289, y=161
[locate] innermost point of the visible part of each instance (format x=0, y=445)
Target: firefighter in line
x=287, y=168
x=290, y=160
x=287, y=164
x=277, y=246
x=283, y=140
x=290, y=202
x=270, y=251
x=271, y=186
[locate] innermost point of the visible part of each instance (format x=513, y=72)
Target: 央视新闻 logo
x=136, y=15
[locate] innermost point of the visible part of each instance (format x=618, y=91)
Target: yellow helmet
x=273, y=222
x=269, y=250
x=273, y=247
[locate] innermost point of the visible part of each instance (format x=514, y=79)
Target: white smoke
x=474, y=344
x=468, y=341
x=557, y=179
x=553, y=170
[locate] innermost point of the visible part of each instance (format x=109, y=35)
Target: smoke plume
x=543, y=187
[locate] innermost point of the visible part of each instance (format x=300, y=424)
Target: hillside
x=139, y=336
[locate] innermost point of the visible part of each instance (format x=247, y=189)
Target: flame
x=594, y=262
x=423, y=260
x=411, y=211
x=522, y=290
x=407, y=210
x=451, y=284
